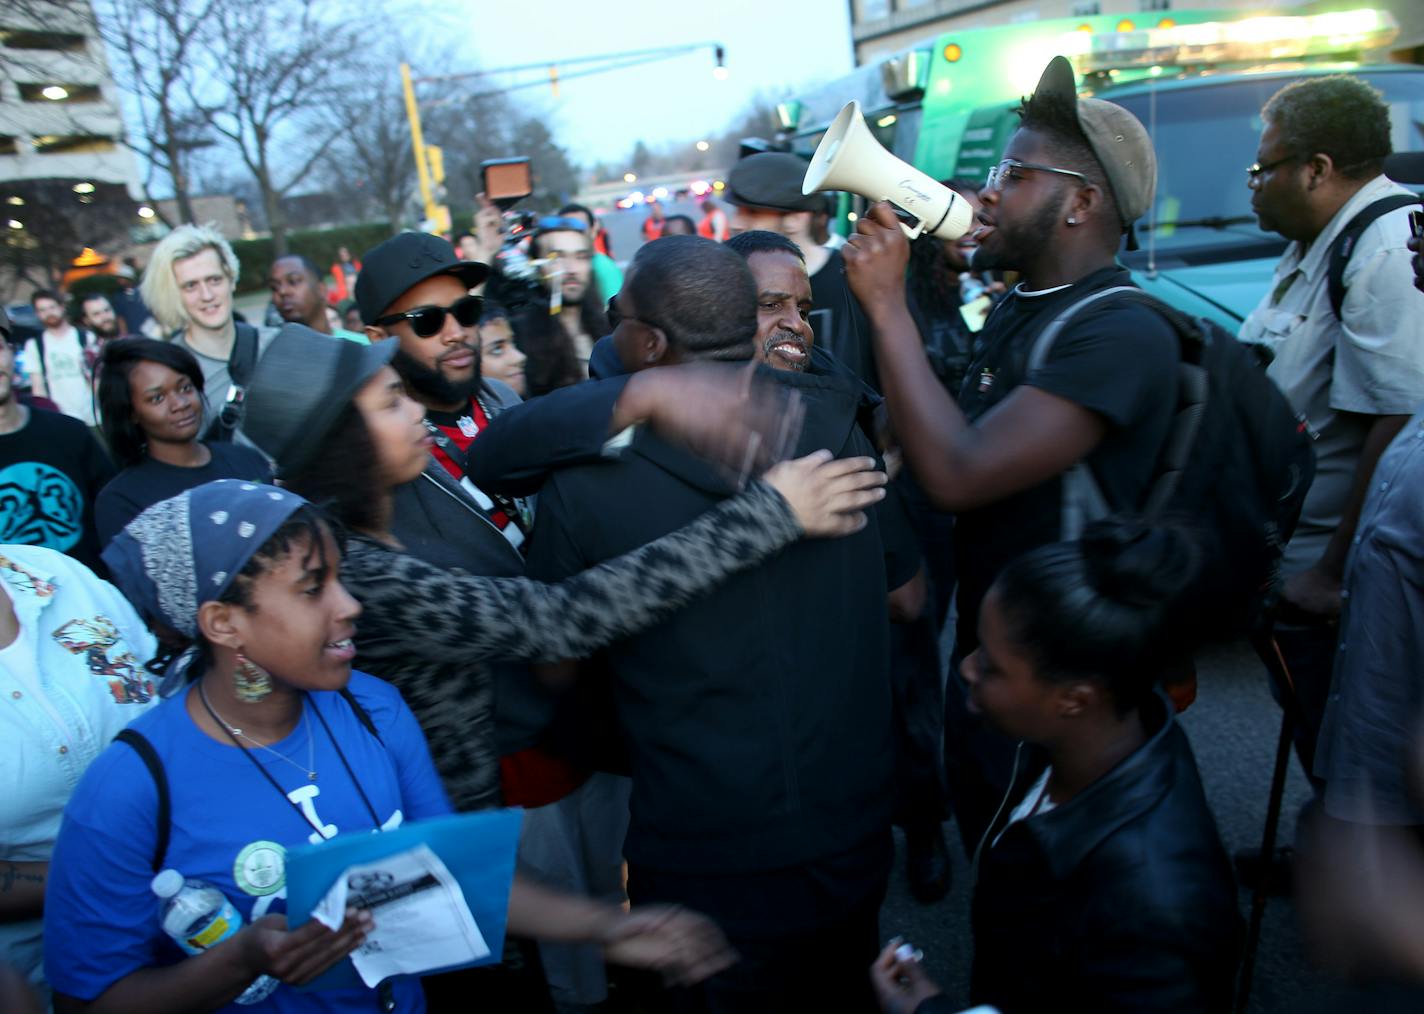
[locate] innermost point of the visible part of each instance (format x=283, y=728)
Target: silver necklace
x=309, y=770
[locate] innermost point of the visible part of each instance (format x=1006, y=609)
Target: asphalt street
x=625, y=227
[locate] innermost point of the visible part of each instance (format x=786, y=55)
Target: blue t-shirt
x=229, y=828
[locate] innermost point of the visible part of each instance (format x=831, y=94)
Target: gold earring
x=250, y=681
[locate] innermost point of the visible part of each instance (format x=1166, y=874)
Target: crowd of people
x=662, y=555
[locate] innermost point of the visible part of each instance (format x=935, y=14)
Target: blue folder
x=478, y=848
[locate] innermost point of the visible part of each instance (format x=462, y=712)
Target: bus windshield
x=1206, y=136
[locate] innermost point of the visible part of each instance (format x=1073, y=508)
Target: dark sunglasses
x=616, y=317
x=426, y=321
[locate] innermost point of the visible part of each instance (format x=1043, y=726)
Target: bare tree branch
x=267, y=81
x=153, y=41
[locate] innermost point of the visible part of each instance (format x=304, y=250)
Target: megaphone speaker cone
x=850, y=158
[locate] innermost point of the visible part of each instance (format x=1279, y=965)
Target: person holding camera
x=1348, y=344
x=558, y=326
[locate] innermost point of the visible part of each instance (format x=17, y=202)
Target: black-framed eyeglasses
x=1256, y=170
x=616, y=316
x=426, y=321
x=997, y=173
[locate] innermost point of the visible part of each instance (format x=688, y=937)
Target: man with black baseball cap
x=1073, y=179
x=765, y=193
x=414, y=288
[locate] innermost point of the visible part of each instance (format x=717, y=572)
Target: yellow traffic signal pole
x=433, y=211
x=429, y=165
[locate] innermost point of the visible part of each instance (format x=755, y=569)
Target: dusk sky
x=773, y=46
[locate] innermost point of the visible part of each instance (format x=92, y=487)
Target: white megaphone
x=849, y=158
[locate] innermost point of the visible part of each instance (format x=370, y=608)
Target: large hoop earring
x=250, y=682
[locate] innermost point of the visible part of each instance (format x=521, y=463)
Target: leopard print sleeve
x=414, y=608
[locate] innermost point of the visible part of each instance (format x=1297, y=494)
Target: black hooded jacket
x=757, y=719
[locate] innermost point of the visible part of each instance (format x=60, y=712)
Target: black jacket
x=758, y=719
x=438, y=522
x=1122, y=899
x=567, y=427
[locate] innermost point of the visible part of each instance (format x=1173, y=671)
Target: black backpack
x=1235, y=467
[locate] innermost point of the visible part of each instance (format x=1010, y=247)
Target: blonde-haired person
x=188, y=285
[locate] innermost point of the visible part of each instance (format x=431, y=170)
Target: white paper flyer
x=422, y=921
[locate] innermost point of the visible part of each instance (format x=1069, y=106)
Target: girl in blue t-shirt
x=273, y=743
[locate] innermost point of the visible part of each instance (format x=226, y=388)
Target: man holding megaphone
x=1073, y=179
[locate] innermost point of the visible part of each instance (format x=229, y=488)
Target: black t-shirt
x=839, y=323
x=1118, y=359
x=140, y=486
x=51, y=470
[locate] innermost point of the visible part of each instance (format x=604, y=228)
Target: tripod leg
x=1268, y=849
x=1270, y=655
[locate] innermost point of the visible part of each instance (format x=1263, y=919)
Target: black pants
x=918, y=702
x=515, y=984
x=806, y=942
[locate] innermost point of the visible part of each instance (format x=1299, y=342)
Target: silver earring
x=1072, y=221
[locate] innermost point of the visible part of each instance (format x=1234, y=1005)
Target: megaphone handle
x=920, y=223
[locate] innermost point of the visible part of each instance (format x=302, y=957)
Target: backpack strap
x=1083, y=499
x=244, y=354
x=1344, y=244
x=240, y=364
x=40, y=344
x=362, y=715
x=1043, y=344
x=154, y=763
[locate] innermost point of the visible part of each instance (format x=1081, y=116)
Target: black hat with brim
x=771, y=179
x=391, y=269
x=300, y=387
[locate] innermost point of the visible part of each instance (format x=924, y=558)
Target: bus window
x=1205, y=136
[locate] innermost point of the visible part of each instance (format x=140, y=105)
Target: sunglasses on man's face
x=427, y=321
x=617, y=316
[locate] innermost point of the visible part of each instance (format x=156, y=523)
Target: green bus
x=1196, y=79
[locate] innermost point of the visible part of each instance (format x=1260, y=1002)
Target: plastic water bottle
x=198, y=916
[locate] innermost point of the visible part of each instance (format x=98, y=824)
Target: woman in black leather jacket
x=1101, y=884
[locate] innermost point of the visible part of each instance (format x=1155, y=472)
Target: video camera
x=506, y=182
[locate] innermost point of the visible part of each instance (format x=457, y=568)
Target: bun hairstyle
x=1102, y=608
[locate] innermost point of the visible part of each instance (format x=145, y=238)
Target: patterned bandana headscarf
x=186, y=550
